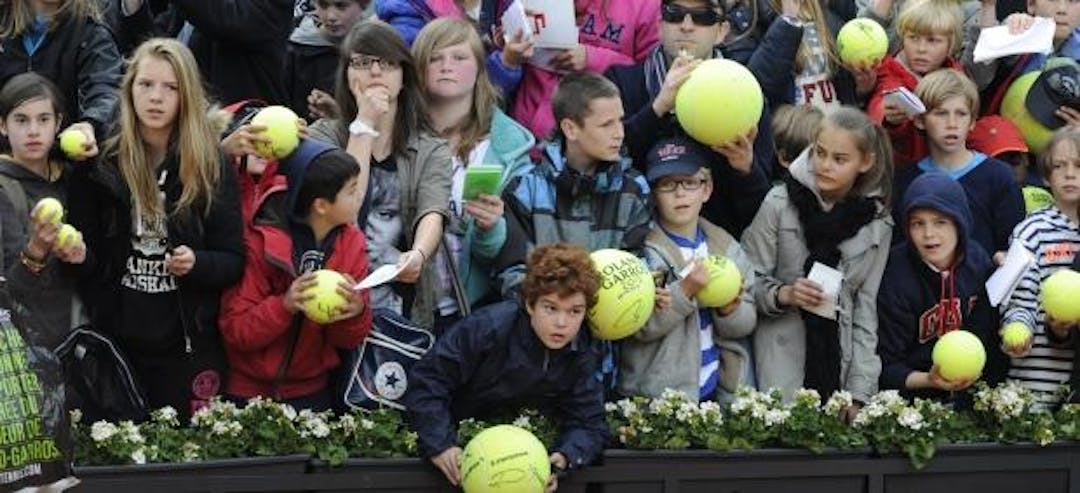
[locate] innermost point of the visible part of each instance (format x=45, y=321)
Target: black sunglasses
x=701, y=17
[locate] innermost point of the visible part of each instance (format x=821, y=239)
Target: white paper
x=514, y=20
x=829, y=279
x=906, y=100
x=996, y=42
x=554, y=23
x=382, y=275
x=1001, y=284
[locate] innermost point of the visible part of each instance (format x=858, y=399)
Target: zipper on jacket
x=547, y=359
x=187, y=342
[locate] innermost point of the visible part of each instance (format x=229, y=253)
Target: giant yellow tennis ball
x=720, y=101
x=725, y=282
x=1012, y=107
x=862, y=42
x=1060, y=295
x=282, y=127
x=1036, y=198
x=327, y=302
x=625, y=299
x=48, y=210
x=71, y=142
x=959, y=355
x=1015, y=335
x=504, y=459
x=67, y=236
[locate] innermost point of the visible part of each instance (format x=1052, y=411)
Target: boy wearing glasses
x=692, y=31
x=702, y=351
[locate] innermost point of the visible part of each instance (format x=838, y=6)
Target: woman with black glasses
x=403, y=168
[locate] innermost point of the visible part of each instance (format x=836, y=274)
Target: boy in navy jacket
x=512, y=355
x=933, y=284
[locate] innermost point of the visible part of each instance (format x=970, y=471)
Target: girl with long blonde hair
x=463, y=107
x=160, y=215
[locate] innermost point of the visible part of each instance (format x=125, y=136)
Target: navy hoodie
x=994, y=198
x=917, y=303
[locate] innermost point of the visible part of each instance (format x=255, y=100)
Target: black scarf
x=823, y=232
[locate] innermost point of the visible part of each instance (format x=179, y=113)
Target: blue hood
x=941, y=193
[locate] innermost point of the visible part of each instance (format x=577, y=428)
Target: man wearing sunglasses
x=692, y=31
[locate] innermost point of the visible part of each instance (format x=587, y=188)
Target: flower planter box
x=983, y=468
x=404, y=475
x=284, y=473
x=980, y=468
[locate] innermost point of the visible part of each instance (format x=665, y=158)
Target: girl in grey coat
x=831, y=210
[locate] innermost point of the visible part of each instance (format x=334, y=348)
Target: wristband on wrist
x=32, y=264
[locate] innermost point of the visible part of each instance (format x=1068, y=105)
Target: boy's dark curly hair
x=562, y=269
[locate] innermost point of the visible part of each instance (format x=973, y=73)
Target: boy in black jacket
x=504, y=357
x=933, y=284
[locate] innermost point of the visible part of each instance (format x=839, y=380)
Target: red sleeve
x=253, y=315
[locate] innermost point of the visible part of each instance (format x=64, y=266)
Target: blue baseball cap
x=676, y=156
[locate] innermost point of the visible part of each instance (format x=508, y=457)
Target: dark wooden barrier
x=978, y=468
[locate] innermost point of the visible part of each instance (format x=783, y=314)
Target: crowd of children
x=197, y=252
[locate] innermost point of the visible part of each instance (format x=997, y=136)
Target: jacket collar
x=609, y=175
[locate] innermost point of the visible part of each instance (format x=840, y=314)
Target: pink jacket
x=623, y=33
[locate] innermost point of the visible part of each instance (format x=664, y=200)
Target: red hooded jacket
x=909, y=144
x=255, y=326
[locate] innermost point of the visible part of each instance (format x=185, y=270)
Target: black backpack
x=100, y=381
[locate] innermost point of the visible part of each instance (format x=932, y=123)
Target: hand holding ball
x=283, y=129
x=67, y=237
x=1015, y=336
x=719, y=102
x=48, y=210
x=959, y=355
x=505, y=459
x=1060, y=295
x=73, y=142
x=326, y=302
x=626, y=296
x=862, y=42
x=725, y=283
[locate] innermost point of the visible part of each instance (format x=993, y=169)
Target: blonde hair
x=193, y=133
x=448, y=31
x=940, y=85
x=1046, y=158
x=19, y=15
x=932, y=17
x=794, y=128
x=812, y=9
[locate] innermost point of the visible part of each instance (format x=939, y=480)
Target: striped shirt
x=709, y=372
x=1053, y=239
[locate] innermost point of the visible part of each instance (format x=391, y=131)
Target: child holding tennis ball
x=684, y=329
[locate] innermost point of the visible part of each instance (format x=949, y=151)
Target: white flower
x=910, y=418
x=138, y=456
x=523, y=422
x=741, y=404
x=610, y=407
x=167, y=413
x=775, y=417
x=101, y=431
x=191, y=451
x=839, y=401
x=288, y=411
x=808, y=397
x=367, y=424
x=758, y=410
x=347, y=423
x=685, y=411
x=318, y=428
